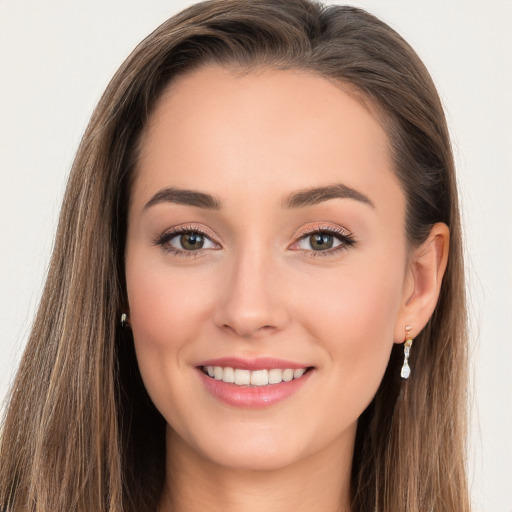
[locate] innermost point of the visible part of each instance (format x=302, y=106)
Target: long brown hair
x=80, y=433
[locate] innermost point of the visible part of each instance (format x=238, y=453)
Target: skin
x=259, y=289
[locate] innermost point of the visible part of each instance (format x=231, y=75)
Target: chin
x=254, y=459
x=247, y=449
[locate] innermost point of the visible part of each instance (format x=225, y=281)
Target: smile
x=257, y=383
x=262, y=377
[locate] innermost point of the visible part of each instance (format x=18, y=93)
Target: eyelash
x=347, y=240
x=164, y=239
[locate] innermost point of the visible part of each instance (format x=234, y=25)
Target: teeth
x=259, y=378
x=253, y=378
x=275, y=376
x=242, y=377
x=228, y=375
x=287, y=375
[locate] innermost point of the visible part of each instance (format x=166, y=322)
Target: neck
x=318, y=482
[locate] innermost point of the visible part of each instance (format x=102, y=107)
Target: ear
x=422, y=284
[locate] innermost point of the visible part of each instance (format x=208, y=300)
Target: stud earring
x=124, y=320
x=406, y=369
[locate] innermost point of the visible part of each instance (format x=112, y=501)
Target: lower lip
x=252, y=396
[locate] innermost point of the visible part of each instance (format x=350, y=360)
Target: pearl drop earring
x=406, y=369
x=124, y=321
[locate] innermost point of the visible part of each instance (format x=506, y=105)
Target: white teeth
x=287, y=375
x=228, y=375
x=259, y=378
x=298, y=373
x=253, y=378
x=242, y=377
x=275, y=376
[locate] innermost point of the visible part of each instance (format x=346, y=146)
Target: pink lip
x=252, y=396
x=261, y=363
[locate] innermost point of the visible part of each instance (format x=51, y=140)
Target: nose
x=251, y=302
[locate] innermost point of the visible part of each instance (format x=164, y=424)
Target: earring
x=124, y=320
x=406, y=369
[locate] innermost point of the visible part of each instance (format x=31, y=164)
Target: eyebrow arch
x=186, y=197
x=312, y=196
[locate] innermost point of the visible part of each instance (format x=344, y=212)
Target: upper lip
x=260, y=363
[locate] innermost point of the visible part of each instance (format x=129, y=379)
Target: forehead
x=261, y=133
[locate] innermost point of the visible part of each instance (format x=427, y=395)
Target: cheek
x=354, y=324
x=354, y=305
x=158, y=309
x=166, y=312
x=164, y=305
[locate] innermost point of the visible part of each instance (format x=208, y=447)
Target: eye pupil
x=192, y=241
x=321, y=241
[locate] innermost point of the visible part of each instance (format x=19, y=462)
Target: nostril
x=246, y=331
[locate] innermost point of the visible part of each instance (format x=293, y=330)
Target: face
x=265, y=245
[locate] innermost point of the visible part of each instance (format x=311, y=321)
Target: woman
x=261, y=218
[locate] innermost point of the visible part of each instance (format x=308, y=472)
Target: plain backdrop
x=56, y=58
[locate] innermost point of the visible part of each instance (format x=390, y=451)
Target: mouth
x=253, y=378
x=257, y=383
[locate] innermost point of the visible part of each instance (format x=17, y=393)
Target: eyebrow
x=186, y=197
x=312, y=196
x=300, y=199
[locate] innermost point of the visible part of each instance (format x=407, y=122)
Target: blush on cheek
x=355, y=321
x=167, y=306
x=163, y=301
x=160, y=328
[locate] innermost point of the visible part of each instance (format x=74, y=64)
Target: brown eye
x=191, y=241
x=186, y=242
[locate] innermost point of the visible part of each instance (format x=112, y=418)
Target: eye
x=185, y=240
x=318, y=242
x=323, y=241
x=190, y=241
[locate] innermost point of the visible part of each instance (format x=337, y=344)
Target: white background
x=56, y=59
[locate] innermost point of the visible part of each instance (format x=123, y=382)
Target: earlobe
x=423, y=284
